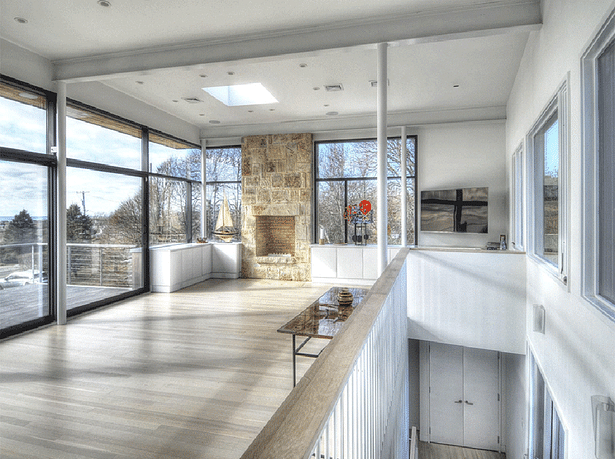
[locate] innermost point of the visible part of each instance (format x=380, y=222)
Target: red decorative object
x=365, y=206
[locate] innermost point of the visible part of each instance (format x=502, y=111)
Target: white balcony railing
x=353, y=401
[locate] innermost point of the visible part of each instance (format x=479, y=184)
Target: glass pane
x=411, y=210
x=215, y=198
x=330, y=202
x=224, y=164
x=23, y=119
x=394, y=157
x=24, y=249
x=347, y=159
x=606, y=172
x=167, y=207
x=171, y=157
x=551, y=193
x=358, y=191
x=196, y=211
x=394, y=211
x=95, y=138
x=103, y=227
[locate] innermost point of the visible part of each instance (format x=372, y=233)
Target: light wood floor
x=437, y=451
x=192, y=374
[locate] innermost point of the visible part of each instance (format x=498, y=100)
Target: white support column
x=61, y=206
x=381, y=209
x=404, y=190
x=203, y=189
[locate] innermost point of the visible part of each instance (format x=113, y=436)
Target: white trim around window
x=557, y=113
x=591, y=168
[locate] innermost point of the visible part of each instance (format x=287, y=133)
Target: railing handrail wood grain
x=296, y=426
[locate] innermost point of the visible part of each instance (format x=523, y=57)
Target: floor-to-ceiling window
x=25, y=197
x=105, y=212
x=174, y=190
x=346, y=180
x=223, y=180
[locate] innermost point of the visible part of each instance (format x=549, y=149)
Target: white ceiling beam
x=353, y=123
x=415, y=28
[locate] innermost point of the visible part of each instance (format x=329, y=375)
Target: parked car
x=20, y=278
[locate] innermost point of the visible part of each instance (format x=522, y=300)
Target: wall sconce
x=603, y=412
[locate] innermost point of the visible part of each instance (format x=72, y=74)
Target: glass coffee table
x=322, y=319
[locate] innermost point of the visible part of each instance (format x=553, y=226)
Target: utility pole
x=82, y=199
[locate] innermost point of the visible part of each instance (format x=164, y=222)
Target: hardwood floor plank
x=193, y=374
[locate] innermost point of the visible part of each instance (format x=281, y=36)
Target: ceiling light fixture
x=104, y=3
x=139, y=82
x=316, y=88
x=214, y=121
x=230, y=73
x=303, y=66
x=455, y=86
x=203, y=75
x=20, y=20
x=332, y=113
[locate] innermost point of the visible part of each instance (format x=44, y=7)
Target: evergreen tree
x=78, y=226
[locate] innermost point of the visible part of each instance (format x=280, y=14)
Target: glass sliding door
x=24, y=243
x=25, y=170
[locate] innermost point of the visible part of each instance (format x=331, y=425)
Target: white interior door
x=464, y=404
x=446, y=394
x=481, y=371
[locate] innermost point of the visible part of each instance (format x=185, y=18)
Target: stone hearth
x=276, y=206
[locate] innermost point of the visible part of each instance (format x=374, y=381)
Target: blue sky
x=24, y=186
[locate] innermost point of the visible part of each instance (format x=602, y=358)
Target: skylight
x=241, y=94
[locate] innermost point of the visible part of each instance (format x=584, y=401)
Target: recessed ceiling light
x=203, y=75
x=20, y=20
x=332, y=113
x=303, y=66
x=316, y=88
x=175, y=100
x=201, y=114
x=326, y=105
x=272, y=109
x=139, y=82
x=250, y=111
x=455, y=86
x=28, y=95
x=230, y=73
x=104, y=3
x=214, y=121
x=241, y=94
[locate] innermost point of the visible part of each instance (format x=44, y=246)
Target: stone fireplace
x=276, y=206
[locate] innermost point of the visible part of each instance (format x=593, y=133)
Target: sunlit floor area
x=192, y=374
x=438, y=451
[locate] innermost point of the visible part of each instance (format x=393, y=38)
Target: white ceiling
x=162, y=51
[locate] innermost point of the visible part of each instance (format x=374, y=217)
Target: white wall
x=28, y=67
x=576, y=352
x=467, y=298
x=465, y=155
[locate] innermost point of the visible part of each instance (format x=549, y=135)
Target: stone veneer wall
x=277, y=181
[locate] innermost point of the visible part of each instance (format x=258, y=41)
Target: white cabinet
x=176, y=266
x=464, y=396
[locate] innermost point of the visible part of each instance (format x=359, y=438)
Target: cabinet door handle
x=468, y=403
x=459, y=401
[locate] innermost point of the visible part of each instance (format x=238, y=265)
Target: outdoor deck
x=21, y=304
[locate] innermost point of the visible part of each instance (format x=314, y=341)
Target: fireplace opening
x=275, y=236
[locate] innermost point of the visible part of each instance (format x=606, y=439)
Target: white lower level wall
x=472, y=298
x=176, y=266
